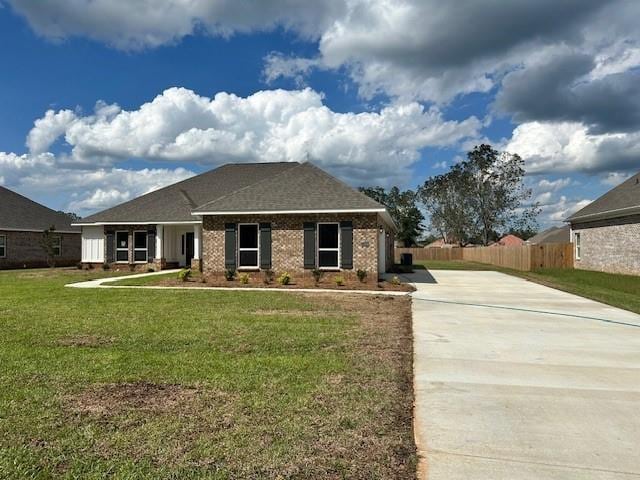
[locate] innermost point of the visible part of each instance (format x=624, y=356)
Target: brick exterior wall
x=24, y=250
x=287, y=234
x=610, y=245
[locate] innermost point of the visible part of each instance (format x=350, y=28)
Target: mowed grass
x=190, y=384
x=618, y=290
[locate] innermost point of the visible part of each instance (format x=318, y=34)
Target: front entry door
x=189, y=248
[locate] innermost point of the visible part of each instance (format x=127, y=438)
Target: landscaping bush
x=244, y=278
x=284, y=279
x=361, y=274
x=339, y=280
x=105, y=266
x=229, y=274
x=267, y=276
x=184, y=274
x=395, y=280
x=317, y=275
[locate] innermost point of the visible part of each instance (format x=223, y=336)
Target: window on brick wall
x=140, y=247
x=3, y=246
x=122, y=247
x=328, y=245
x=576, y=239
x=248, y=249
x=57, y=246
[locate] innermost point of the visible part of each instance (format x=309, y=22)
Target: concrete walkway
x=515, y=380
x=100, y=282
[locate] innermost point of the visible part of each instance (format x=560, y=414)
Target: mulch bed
x=382, y=286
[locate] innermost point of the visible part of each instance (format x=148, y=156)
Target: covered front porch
x=178, y=245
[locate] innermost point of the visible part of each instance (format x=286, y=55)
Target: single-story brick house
x=606, y=233
x=285, y=217
x=22, y=226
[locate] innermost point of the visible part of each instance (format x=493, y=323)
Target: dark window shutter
x=230, y=246
x=346, y=247
x=265, y=245
x=151, y=245
x=111, y=243
x=309, y=245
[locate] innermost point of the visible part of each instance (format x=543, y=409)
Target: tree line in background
x=476, y=201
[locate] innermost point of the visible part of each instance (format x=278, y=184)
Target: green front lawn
x=105, y=383
x=621, y=291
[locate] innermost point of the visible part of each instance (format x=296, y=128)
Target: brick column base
x=159, y=264
x=196, y=264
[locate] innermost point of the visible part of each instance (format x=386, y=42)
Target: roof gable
x=20, y=213
x=619, y=201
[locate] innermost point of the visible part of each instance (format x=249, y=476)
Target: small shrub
x=105, y=266
x=132, y=267
x=150, y=269
x=395, y=280
x=339, y=280
x=317, y=275
x=284, y=279
x=244, y=278
x=361, y=274
x=184, y=274
x=267, y=276
x=229, y=274
x=79, y=265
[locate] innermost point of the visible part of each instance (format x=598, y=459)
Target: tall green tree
x=480, y=196
x=404, y=210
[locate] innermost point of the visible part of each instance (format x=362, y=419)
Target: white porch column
x=159, y=242
x=197, y=241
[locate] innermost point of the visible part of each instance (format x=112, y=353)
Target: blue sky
x=100, y=102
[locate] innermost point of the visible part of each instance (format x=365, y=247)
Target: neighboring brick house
x=22, y=226
x=284, y=217
x=606, y=233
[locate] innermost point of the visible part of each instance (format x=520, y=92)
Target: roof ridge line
x=298, y=164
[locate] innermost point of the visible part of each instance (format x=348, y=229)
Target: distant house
x=606, y=233
x=22, y=223
x=285, y=217
x=551, y=235
x=440, y=243
x=508, y=241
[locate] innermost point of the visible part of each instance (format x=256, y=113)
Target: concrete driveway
x=515, y=380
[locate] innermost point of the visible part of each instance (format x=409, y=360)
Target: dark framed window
x=140, y=246
x=248, y=246
x=122, y=246
x=328, y=245
x=57, y=246
x=3, y=246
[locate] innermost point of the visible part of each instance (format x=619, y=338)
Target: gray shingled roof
x=552, y=235
x=248, y=187
x=175, y=203
x=20, y=213
x=620, y=201
x=305, y=187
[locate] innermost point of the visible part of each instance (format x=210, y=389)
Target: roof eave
x=155, y=222
x=615, y=213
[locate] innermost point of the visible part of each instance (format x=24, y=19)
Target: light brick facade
x=287, y=237
x=24, y=250
x=611, y=245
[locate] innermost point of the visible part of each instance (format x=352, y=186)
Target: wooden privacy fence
x=523, y=257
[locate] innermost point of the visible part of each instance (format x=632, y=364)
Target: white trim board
x=292, y=212
x=95, y=224
x=77, y=232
